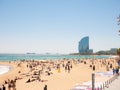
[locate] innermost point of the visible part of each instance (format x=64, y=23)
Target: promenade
x=115, y=85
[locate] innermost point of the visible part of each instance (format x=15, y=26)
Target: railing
x=107, y=83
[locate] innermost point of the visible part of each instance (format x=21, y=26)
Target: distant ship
x=30, y=53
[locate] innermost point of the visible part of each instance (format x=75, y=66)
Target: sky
x=56, y=26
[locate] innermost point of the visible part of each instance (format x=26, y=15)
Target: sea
x=12, y=57
x=15, y=57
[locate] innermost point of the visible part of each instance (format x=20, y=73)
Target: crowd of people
x=38, y=68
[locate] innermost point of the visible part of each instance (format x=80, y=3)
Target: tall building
x=83, y=46
x=113, y=50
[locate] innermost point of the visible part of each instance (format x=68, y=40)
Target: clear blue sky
x=56, y=26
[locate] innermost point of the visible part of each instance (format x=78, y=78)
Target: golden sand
x=59, y=78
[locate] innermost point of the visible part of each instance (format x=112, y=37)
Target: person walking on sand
x=0, y=87
x=114, y=71
x=3, y=88
x=68, y=69
x=9, y=86
x=117, y=70
x=65, y=68
x=45, y=88
x=93, y=67
x=58, y=70
x=13, y=85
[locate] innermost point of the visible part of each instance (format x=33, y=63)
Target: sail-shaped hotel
x=83, y=46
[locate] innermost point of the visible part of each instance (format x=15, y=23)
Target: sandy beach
x=57, y=75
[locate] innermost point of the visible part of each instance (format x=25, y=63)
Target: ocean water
x=12, y=57
x=4, y=69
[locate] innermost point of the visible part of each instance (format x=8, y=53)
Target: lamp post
x=93, y=81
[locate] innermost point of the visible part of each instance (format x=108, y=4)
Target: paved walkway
x=115, y=85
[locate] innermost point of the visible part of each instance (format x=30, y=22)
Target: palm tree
x=118, y=52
